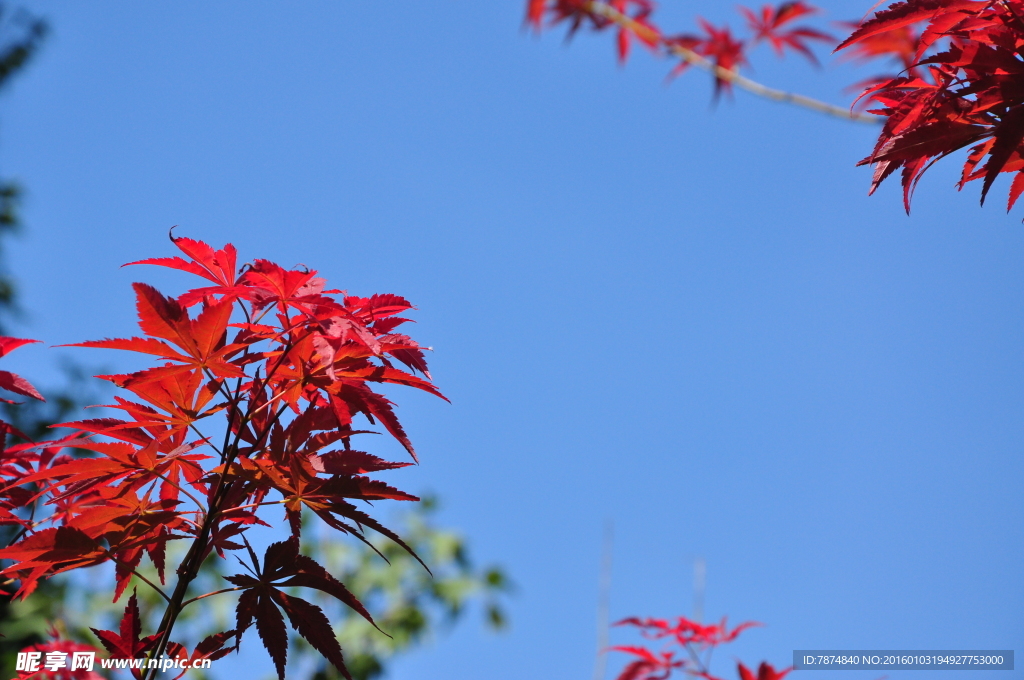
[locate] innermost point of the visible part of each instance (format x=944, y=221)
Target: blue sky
x=689, y=320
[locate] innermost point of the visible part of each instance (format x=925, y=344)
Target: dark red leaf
x=313, y=626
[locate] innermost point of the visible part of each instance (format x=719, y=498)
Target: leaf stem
x=216, y=592
x=252, y=505
x=179, y=488
x=135, y=572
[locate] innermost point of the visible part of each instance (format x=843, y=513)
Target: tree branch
x=602, y=602
x=728, y=75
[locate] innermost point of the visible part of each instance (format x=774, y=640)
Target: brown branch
x=197, y=553
x=731, y=76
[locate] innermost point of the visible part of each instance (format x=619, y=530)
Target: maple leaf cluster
x=958, y=84
x=689, y=647
x=962, y=86
x=286, y=366
x=631, y=21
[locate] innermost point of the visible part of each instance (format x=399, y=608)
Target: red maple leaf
x=769, y=25
x=967, y=95
x=262, y=597
x=718, y=45
x=50, y=551
x=764, y=672
x=686, y=631
x=901, y=14
x=218, y=266
x=649, y=666
x=13, y=382
x=127, y=642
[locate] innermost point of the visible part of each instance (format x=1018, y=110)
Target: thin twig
x=732, y=76
x=702, y=668
x=145, y=580
x=204, y=438
x=216, y=592
x=699, y=575
x=159, y=590
x=602, y=602
x=178, y=487
x=257, y=505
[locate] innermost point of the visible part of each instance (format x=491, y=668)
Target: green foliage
x=25, y=623
x=21, y=35
x=10, y=194
x=406, y=602
x=21, y=623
